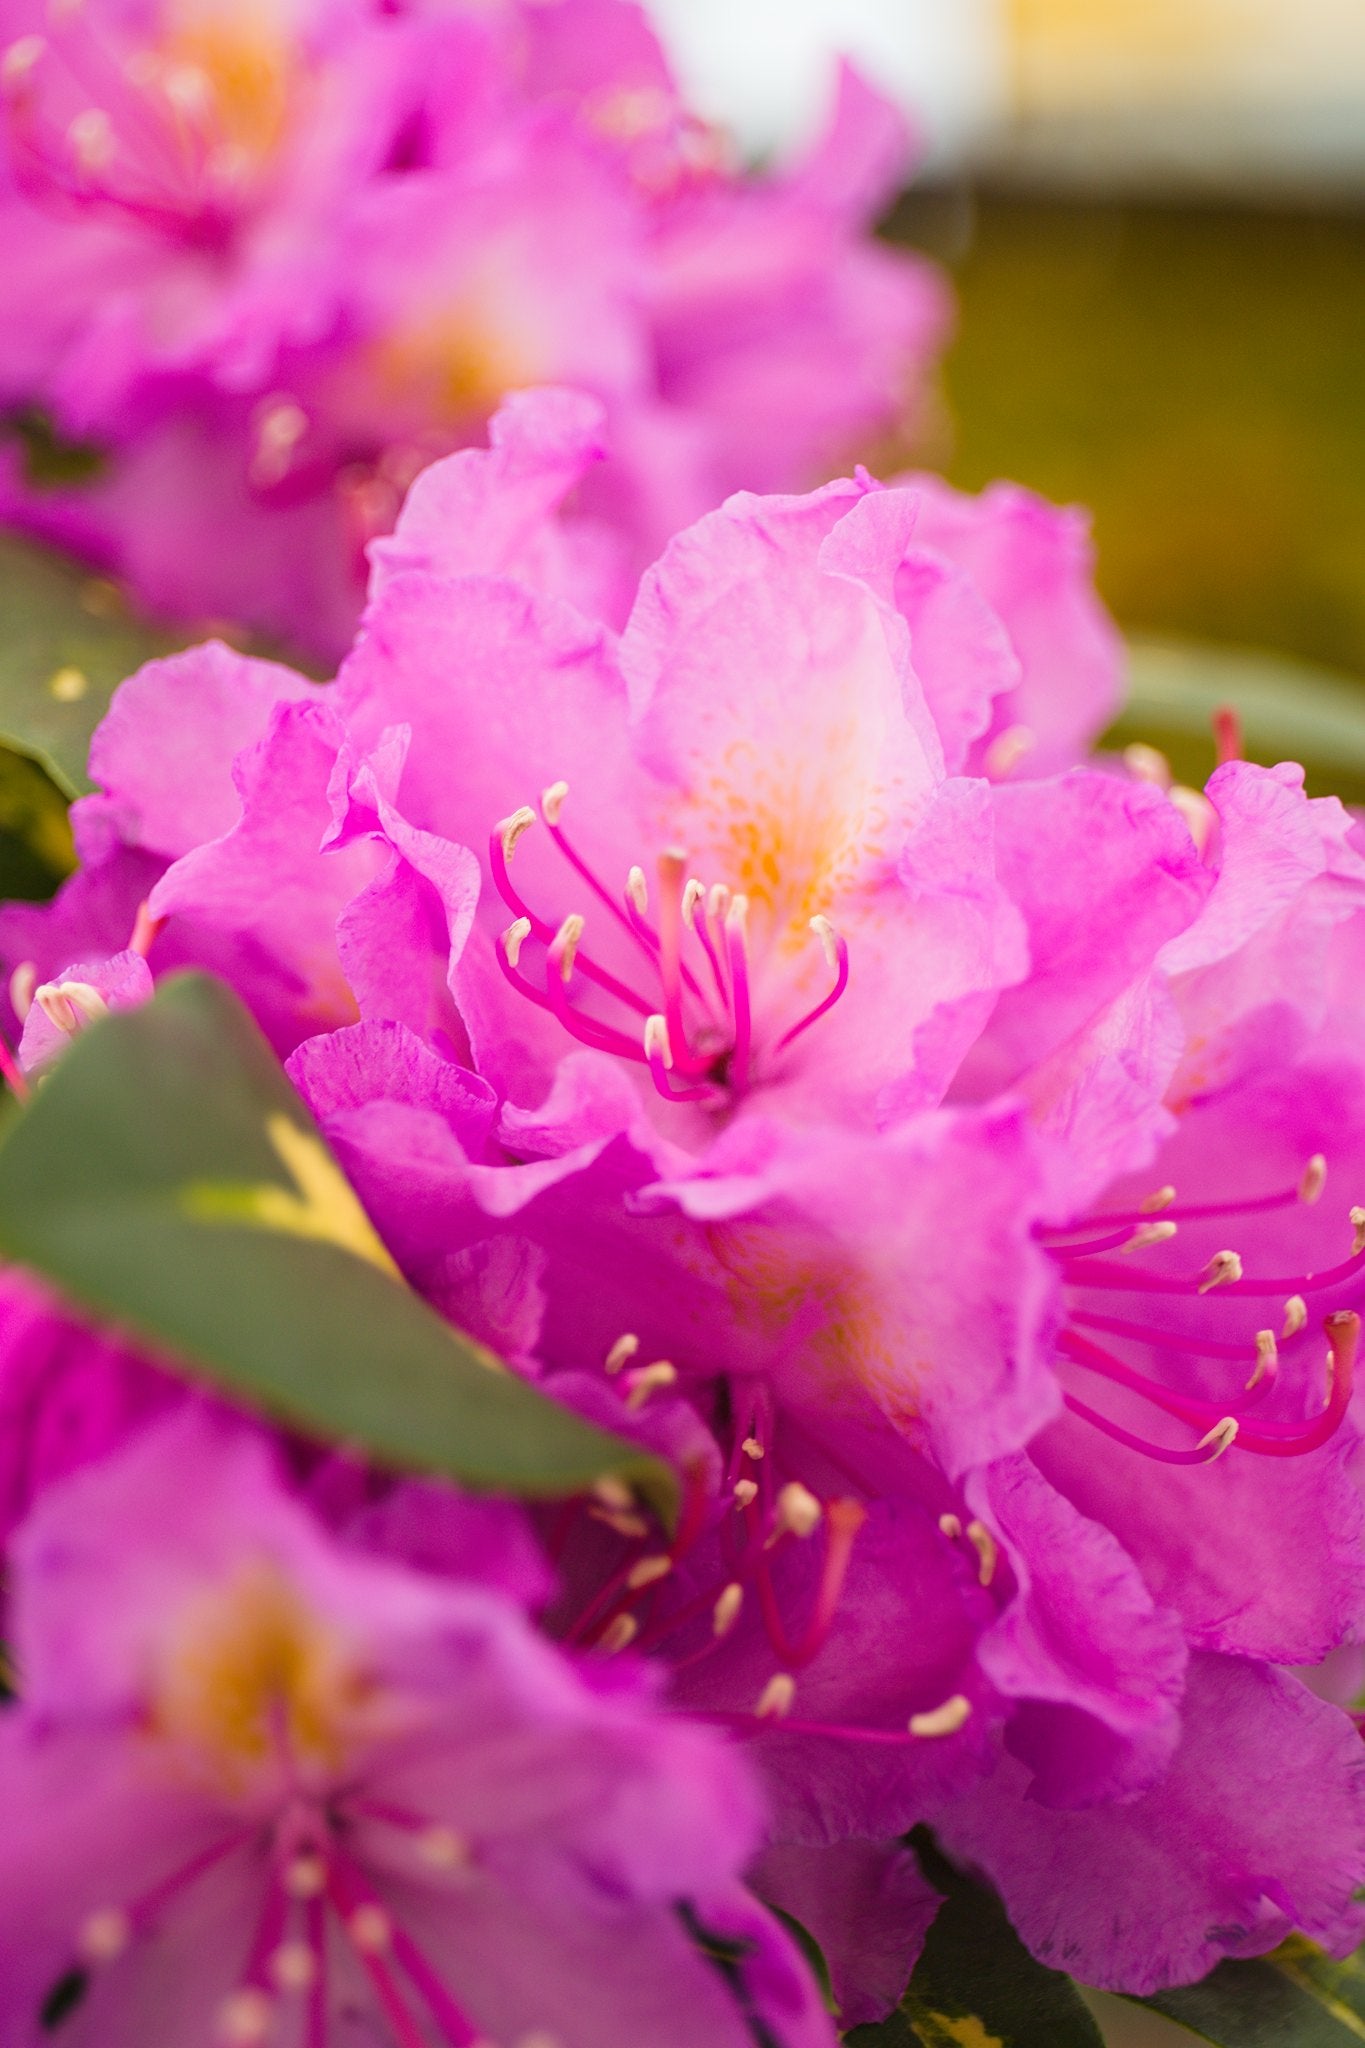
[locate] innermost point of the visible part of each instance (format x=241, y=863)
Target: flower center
x=1222, y=1424
x=176, y=134
x=695, y=1029
x=256, y=1678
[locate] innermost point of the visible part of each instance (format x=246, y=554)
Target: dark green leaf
x=51, y=462
x=36, y=852
x=1290, y=711
x=976, y=1985
x=167, y=1178
x=65, y=643
x=1297, y=1995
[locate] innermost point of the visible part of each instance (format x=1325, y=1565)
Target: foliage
x=168, y=1180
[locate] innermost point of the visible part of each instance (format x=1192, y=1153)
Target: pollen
x=256, y=1675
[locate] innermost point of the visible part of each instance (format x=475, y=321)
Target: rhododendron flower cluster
x=764, y=1028
x=264, y=261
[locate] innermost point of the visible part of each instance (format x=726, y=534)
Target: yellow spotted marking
x=246, y=68
x=854, y=1347
x=322, y=1204
x=253, y=1675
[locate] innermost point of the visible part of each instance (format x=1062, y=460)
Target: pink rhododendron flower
x=267, y=261
x=722, y=1019
x=265, y=1786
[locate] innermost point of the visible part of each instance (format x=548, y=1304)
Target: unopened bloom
x=267, y=261
x=262, y=1786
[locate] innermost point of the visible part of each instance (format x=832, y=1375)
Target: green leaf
x=167, y=1179
x=36, y=850
x=976, y=1985
x=1297, y=1995
x=1290, y=711
x=65, y=644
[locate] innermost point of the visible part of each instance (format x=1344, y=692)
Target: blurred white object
x=1095, y=91
x=763, y=66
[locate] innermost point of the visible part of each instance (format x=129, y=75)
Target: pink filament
x=349, y=1889
x=687, y=1073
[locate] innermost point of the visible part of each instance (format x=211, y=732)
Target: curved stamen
x=349, y=1885
x=737, y=953
x=1166, y=1340
x=1123, y=1279
x=836, y=953
x=1204, y=1453
x=551, y=809
x=1266, y=1439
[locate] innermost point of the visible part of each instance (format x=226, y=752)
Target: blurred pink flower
x=263, y=1785
x=269, y=261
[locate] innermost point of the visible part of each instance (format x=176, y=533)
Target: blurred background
x=1154, y=214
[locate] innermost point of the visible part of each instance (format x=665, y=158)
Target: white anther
x=613, y=1493
x=648, y=1572
x=618, y=1635
x=1295, y=1317
x=775, y=1700
x=1147, y=764
x=1267, y=1357
x=1199, y=815
x=694, y=892
x=22, y=983
x=512, y=830
x=796, y=1509
x=622, y=1351
x=1357, y=1220
x=648, y=1379
x=443, y=1848
x=746, y=1492
x=657, y=1046
x=514, y=938
x=1223, y=1434
x=986, y=1548
x=370, y=1928
x=305, y=1877
x=717, y=897
x=552, y=802
x=1007, y=750
x=69, y=1004
x=189, y=88
x=725, y=1613
x=280, y=425
x=1314, y=1179
x=20, y=59
x=637, y=888
x=1221, y=1270
x=293, y=1967
x=829, y=940
x=751, y=1447
x=1149, y=1234
x=246, y=2018
x=1160, y=1198
x=104, y=1934
x=565, y=943
x=737, y=919
x=944, y=1720
x=951, y=1527
x=91, y=136
x=621, y=1522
